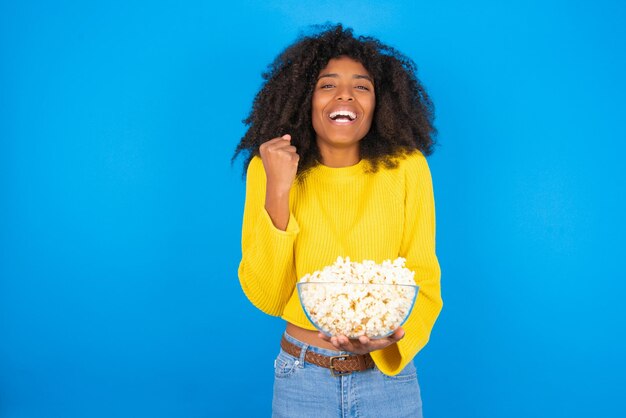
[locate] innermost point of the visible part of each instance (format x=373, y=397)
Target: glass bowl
x=355, y=309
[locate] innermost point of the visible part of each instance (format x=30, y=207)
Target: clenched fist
x=280, y=161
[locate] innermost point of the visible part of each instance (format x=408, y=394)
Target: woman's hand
x=280, y=161
x=363, y=344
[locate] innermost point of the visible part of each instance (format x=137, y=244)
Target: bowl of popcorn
x=354, y=299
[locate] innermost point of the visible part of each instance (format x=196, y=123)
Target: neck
x=339, y=157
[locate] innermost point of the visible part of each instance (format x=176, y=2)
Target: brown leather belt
x=338, y=365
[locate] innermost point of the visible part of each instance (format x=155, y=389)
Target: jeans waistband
x=307, y=347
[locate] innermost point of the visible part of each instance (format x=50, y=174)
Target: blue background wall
x=120, y=213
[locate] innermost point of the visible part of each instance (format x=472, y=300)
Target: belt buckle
x=332, y=366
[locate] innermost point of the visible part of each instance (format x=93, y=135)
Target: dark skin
x=344, y=85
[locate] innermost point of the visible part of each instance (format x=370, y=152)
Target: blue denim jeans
x=304, y=390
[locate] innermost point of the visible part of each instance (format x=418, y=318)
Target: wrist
x=276, y=192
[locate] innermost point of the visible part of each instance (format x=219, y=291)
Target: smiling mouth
x=343, y=116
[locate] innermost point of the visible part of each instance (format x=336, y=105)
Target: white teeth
x=347, y=113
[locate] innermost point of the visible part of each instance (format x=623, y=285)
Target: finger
x=284, y=146
x=278, y=139
x=343, y=340
x=381, y=343
x=281, y=143
x=346, y=344
x=398, y=334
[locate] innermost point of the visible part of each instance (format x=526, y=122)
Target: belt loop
x=303, y=351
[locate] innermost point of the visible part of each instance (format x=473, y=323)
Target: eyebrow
x=356, y=76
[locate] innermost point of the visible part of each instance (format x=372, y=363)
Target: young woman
x=336, y=166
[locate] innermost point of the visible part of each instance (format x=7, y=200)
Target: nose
x=344, y=93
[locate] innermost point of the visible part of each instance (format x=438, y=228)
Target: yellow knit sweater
x=345, y=212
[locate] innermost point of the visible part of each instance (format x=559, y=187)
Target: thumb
x=398, y=335
x=287, y=137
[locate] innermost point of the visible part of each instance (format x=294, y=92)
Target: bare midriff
x=308, y=336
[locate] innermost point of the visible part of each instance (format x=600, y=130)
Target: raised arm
x=267, y=271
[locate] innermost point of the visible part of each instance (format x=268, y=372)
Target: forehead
x=344, y=65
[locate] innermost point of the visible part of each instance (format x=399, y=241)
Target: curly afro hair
x=403, y=116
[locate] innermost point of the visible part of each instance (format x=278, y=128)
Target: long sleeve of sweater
x=418, y=247
x=266, y=271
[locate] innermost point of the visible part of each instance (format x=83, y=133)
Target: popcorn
x=354, y=299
